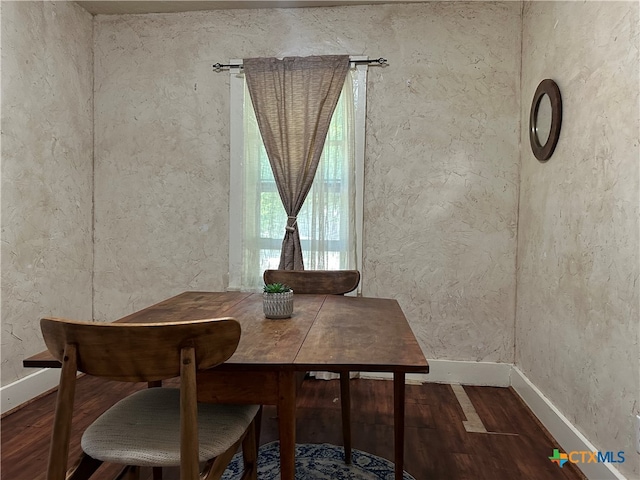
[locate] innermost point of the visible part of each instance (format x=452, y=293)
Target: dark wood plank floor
x=437, y=446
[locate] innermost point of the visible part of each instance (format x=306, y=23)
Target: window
x=330, y=222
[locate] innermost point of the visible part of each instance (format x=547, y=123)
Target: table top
x=325, y=332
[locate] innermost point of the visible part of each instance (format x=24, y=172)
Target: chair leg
x=345, y=402
x=214, y=469
x=84, y=468
x=258, y=426
x=130, y=472
x=250, y=453
x=157, y=473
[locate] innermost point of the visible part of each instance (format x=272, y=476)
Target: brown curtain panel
x=294, y=99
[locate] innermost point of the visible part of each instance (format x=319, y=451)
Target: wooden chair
x=326, y=282
x=154, y=427
x=329, y=282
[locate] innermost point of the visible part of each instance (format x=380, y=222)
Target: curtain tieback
x=291, y=224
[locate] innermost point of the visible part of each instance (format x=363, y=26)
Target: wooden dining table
x=325, y=333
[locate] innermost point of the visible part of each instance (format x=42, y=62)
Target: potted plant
x=277, y=300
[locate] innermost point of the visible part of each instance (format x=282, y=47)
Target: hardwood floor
x=437, y=445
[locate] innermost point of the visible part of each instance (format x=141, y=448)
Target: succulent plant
x=276, y=288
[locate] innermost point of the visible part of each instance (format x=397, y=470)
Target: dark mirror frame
x=550, y=88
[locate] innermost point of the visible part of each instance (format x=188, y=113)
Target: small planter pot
x=277, y=305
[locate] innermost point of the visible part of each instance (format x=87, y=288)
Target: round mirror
x=545, y=119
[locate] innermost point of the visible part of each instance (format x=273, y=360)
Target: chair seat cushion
x=144, y=429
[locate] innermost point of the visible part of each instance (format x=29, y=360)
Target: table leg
x=287, y=424
x=398, y=423
x=345, y=400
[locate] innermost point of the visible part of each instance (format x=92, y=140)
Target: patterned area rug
x=317, y=462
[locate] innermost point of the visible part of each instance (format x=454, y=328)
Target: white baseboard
x=567, y=436
x=27, y=388
x=484, y=374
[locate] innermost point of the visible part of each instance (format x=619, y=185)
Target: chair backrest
x=135, y=352
x=141, y=352
x=331, y=282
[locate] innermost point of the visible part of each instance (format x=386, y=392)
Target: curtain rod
x=218, y=67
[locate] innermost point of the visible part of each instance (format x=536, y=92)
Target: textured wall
x=441, y=174
x=46, y=172
x=578, y=249
x=441, y=162
x=161, y=162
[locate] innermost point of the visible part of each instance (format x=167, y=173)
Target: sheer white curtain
x=326, y=222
